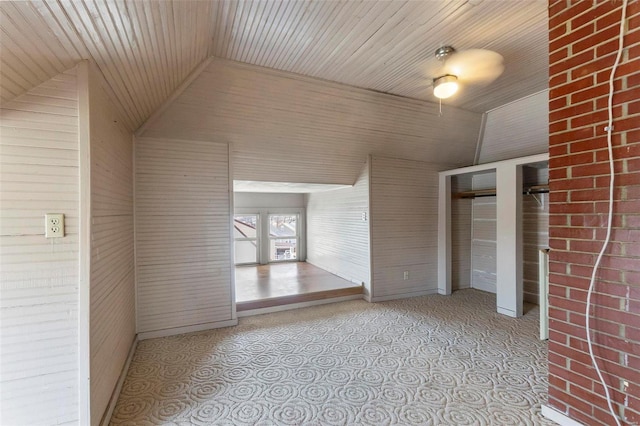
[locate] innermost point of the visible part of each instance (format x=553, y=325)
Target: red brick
x=572, y=62
x=572, y=37
x=593, y=169
x=556, y=104
x=566, y=280
x=589, y=94
x=558, y=314
x=574, y=233
x=600, y=325
x=558, y=382
x=585, y=246
x=557, y=173
x=591, y=67
x=571, y=87
x=573, y=135
x=568, y=184
x=557, y=150
x=589, y=220
x=566, y=304
x=617, y=315
x=594, y=118
x=603, y=274
x=621, y=179
x=563, y=15
x=557, y=127
x=618, y=207
x=558, y=56
x=571, y=111
x=557, y=290
x=555, y=220
x=577, y=404
x=599, y=142
x=620, y=96
x=594, y=39
x=608, y=19
x=583, y=418
x=617, y=344
x=572, y=208
x=633, y=80
x=589, y=195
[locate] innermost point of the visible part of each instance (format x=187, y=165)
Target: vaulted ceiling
x=146, y=48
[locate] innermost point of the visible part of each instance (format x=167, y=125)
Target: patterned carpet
x=430, y=360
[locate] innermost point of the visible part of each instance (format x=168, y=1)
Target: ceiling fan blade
x=475, y=66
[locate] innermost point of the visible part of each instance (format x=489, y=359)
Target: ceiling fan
x=472, y=66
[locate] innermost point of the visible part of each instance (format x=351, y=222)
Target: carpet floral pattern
x=432, y=360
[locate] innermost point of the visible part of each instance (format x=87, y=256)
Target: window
x=245, y=234
x=283, y=237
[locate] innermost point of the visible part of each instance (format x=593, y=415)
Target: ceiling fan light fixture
x=445, y=86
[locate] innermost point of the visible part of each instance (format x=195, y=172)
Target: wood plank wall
x=404, y=229
x=39, y=281
x=183, y=232
x=517, y=129
x=112, y=306
x=337, y=235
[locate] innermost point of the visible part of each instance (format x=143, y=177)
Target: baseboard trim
x=106, y=418
x=280, y=308
x=556, y=416
x=187, y=329
x=404, y=295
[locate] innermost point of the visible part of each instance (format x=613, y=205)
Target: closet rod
x=478, y=193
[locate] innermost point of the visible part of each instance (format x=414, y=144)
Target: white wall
x=267, y=200
x=285, y=127
x=517, y=129
x=112, y=308
x=404, y=227
x=183, y=232
x=484, y=235
x=39, y=158
x=337, y=235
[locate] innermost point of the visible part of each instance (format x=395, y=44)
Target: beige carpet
x=431, y=360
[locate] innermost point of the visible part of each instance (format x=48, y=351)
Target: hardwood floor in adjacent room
x=260, y=286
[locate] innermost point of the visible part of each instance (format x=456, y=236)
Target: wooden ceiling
x=146, y=48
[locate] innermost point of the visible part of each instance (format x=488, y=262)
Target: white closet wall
x=337, y=234
x=112, y=308
x=404, y=229
x=183, y=232
x=483, y=237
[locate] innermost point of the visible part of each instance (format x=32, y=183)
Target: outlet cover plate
x=54, y=225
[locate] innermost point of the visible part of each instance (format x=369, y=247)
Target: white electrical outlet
x=406, y=275
x=54, y=225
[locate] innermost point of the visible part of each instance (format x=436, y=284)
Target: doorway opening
x=270, y=247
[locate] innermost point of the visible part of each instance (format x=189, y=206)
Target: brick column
x=583, y=39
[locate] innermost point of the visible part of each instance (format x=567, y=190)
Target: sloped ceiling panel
x=287, y=128
x=145, y=48
x=517, y=129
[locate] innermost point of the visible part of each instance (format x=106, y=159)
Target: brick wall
x=582, y=48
